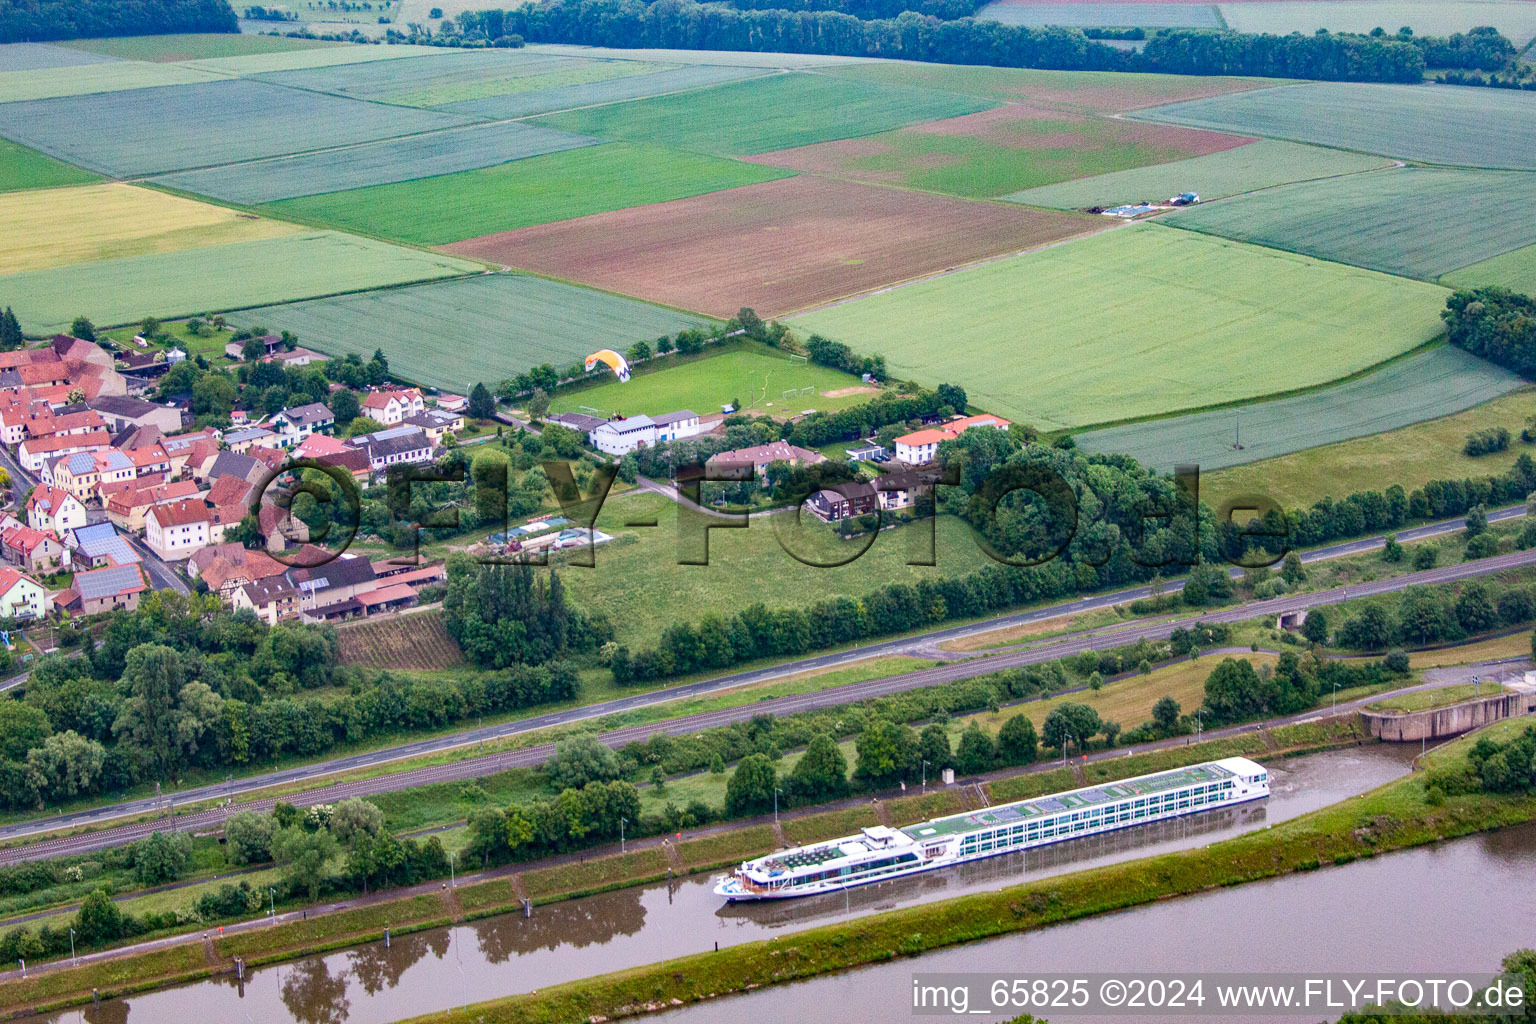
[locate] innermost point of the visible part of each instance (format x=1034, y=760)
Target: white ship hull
x=881, y=854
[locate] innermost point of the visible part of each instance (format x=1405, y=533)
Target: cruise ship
x=879, y=853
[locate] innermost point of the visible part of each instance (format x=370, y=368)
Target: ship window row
x=875, y=867
x=1080, y=821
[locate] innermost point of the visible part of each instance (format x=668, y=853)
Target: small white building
x=177, y=529
x=174, y=356
x=922, y=446
x=673, y=426
x=21, y=597
x=390, y=407
x=620, y=437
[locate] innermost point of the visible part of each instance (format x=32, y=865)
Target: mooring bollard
x=386, y=936
x=239, y=968
x=527, y=908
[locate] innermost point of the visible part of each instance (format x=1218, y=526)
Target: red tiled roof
x=181, y=513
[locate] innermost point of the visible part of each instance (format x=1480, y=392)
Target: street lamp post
x=72, y=946
x=622, y=822
x=452, y=884
x=271, y=902
x=925, y=776
x=776, y=792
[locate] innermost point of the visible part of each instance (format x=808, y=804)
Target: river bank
x=184, y=958
x=1393, y=817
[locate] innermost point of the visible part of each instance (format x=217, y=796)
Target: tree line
x=505, y=615
x=1495, y=323
x=685, y=24
x=34, y=20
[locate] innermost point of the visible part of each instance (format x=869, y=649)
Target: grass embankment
x=548, y=884
x=1428, y=700
x=1396, y=816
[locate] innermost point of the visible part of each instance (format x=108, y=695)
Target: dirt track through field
x=778, y=246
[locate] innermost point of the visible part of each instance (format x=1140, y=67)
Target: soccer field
x=754, y=375
x=1135, y=322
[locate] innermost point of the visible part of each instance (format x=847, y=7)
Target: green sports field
x=193, y=46
x=221, y=277
x=537, y=190
x=482, y=328
x=21, y=168
x=1438, y=382
x=764, y=114
x=1260, y=164
x=1137, y=321
x=642, y=589
x=1415, y=221
x=755, y=375
x=1461, y=126
x=1514, y=270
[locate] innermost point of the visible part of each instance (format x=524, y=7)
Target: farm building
x=620, y=437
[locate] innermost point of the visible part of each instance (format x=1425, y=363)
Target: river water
x=446, y=967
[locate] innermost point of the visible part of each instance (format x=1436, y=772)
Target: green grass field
x=764, y=114
x=999, y=151
x=22, y=168
x=1136, y=321
x=1514, y=270
x=1426, y=17
x=1415, y=221
x=1260, y=164
x=756, y=374
x=1439, y=382
x=1457, y=125
x=1410, y=456
x=114, y=76
x=192, y=46
x=1093, y=90
x=642, y=589
x=573, y=72
x=222, y=277
x=482, y=328
x=321, y=57
x=537, y=190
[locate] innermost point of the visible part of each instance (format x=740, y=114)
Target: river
x=445, y=967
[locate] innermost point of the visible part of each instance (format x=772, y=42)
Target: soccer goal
x=799, y=392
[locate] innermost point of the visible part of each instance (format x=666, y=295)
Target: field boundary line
x=950, y=270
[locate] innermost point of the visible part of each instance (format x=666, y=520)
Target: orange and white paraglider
x=617, y=362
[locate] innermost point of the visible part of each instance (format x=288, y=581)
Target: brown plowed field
x=778, y=247
x=415, y=641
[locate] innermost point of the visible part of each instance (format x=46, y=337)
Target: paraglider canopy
x=613, y=359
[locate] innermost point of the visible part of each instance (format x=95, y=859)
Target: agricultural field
x=1514, y=270
x=1435, y=383
x=1104, y=15
x=1136, y=321
x=1411, y=456
x=418, y=641
x=620, y=81
x=723, y=58
x=763, y=114
x=1515, y=18
x=21, y=168
x=220, y=277
x=375, y=163
x=1106, y=91
x=1415, y=221
x=777, y=247
x=56, y=227
x=148, y=131
x=1261, y=164
x=296, y=60
x=1459, y=125
x=36, y=56
x=554, y=187
x=642, y=589
x=482, y=328
x=1000, y=150
x=756, y=375
x=425, y=81
x=192, y=46
x=111, y=76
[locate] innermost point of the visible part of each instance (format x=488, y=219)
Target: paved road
x=1442, y=679
x=475, y=767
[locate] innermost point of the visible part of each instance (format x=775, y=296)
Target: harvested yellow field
x=58, y=227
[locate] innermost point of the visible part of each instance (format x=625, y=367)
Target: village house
x=435, y=423
x=922, y=446
x=452, y=403
x=331, y=451
x=396, y=447
x=224, y=576
x=98, y=545
x=759, y=457
x=113, y=588
x=270, y=343
x=126, y=509
x=273, y=599
x=242, y=441
x=842, y=501
x=53, y=508
x=294, y=425
x=32, y=550
x=36, y=452
x=331, y=591
x=121, y=412
x=176, y=529
x=21, y=597
x=392, y=406
x=297, y=356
